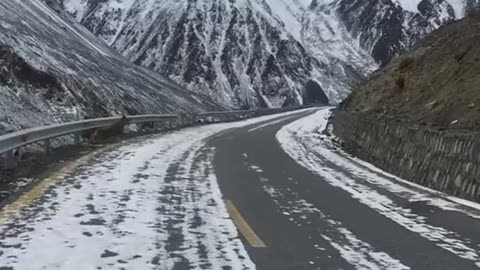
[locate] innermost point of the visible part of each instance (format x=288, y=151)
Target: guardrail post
x=10, y=162
x=47, y=146
x=181, y=120
x=147, y=125
x=77, y=138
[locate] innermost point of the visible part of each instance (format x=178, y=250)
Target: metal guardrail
x=12, y=141
x=212, y=117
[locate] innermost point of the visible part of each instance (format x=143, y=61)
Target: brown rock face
x=436, y=83
x=14, y=71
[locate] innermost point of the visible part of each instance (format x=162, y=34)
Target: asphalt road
x=303, y=219
x=268, y=193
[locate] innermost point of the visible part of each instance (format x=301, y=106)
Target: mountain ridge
x=264, y=52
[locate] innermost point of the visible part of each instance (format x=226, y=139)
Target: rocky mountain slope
x=263, y=52
x=437, y=83
x=54, y=70
x=240, y=52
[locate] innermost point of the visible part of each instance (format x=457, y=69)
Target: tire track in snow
x=191, y=211
x=140, y=217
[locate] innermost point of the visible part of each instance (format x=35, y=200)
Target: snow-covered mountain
x=239, y=52
x=54, y=70
x=387, y=28
x=263, y=52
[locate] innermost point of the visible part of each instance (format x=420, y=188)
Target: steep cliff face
x=264, y=52
x=54, y=70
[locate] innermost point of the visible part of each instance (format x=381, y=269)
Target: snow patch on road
x=267, y=124
x=359, y=254
x=153, y=201
x=256, y=169
x=304, y=142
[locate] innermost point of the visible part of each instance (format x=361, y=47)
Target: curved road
x=268, y=193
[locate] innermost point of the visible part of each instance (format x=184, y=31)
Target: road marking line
x=271, y=123
x=242, y=225
x=39, y=189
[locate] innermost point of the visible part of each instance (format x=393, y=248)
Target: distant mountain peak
x=264, y=52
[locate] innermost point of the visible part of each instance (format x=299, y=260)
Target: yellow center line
x=39, y=189
x=244, y=228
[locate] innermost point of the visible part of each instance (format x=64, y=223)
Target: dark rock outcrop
x=15, y=72
x=314, y=94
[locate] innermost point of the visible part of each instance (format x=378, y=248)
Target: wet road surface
x=267, y=193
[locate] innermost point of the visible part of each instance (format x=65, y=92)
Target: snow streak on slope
x=53, y=70
x=303, y=141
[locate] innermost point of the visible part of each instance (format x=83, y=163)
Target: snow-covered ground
x=149, y=203
x=306, y=142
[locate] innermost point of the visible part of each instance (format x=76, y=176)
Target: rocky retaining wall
x=447, y=160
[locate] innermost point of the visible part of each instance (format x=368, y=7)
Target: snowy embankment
x=309, y=143
x=149, y=203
